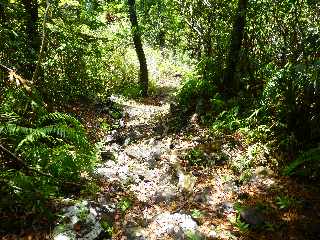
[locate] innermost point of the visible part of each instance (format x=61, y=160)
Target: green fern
x=55, y=143
x=11, y=129
x=311, y=155
x=33, y=135
x=58, y=117
x=10, y=117
x=53, y=147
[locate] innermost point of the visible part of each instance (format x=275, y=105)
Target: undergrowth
x=44, y=155
x=271, y=124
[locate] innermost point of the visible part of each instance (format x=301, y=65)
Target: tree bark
x=136, y=34
x=2, y=14
x=33, y=39
x=43, y=41
x=231, y=84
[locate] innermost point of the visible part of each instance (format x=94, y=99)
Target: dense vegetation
x=256, y=77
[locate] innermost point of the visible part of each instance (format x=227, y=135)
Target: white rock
x=88, y=231
x=65, y=236
x=186, y=181
x=166, y=223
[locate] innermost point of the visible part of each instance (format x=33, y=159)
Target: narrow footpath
x=149, y=190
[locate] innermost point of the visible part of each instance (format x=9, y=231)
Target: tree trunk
x=136, y=34
x=231, y=84
x=33, y=41
x=2, y=14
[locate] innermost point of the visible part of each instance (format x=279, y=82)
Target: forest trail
x=166, y=201
x=150, y=191
x=163, y=197
x=145, y=163
x=226, y=146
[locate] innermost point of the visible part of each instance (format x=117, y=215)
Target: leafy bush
x=307, y=164
x=285, y=202
x=197, y=96
x=241, y=163
x=196, y=157
x=195, y=90
x=44, y=153
x=72, y=67
x=291, y=98
x=227, y=120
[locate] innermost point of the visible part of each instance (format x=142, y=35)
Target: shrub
x=306, y=165
x=44, y=154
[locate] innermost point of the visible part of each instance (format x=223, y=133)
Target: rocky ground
x=150, y=191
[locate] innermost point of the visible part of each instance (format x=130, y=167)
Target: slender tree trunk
x=231, y=84
x=208, y=40
x=33, y=41
x=136, y=34
x=162, y=33
x=2, y=14
x=43, y=42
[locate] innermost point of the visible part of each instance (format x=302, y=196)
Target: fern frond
x=33, y=137
x=62, y=132
x=9, y=117
x=308, y=156
x=11, y=129
x=57, y=117
x=67, y=133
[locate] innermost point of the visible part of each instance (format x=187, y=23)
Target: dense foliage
x=43, y=154
x=277, y=72
x=257, y=75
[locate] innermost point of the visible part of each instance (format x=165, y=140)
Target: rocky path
x=145, y=159
x=151, y=193
x=142, y=157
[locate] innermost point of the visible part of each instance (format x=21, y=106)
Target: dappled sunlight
x=159, y=119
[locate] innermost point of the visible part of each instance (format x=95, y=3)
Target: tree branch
x=19, y=80
x=20, y=161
